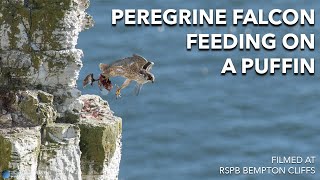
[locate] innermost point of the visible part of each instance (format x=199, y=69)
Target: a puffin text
x=271, y=65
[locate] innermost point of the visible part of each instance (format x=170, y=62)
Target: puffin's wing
x=88, y=80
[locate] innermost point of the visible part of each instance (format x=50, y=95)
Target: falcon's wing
x=139, y=60
x=148, y=66
x=134, y=62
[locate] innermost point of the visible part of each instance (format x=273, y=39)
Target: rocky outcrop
x=100, y=139
x=47, y=129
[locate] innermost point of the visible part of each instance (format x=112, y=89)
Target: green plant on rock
x=5, y=149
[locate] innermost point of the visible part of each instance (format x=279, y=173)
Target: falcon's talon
x=118, y=93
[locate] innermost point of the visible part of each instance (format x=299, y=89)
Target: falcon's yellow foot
x=118, y=93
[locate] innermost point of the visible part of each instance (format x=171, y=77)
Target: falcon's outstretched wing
x=148, y=66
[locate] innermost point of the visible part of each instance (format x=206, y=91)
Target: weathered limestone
x=100, y=139
x=20, y=148
x=47, y=129
x=36, y=107
x=60, y=153
x=89, y=149
x=37, y=46
x=27, y=108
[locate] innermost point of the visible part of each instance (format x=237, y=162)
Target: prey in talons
x=135, y=68
x=103, y=82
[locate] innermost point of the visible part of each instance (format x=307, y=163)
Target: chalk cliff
x=47, y=129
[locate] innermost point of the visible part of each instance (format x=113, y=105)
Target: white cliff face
x=47, y=129
x=24, y=144
x=38, y=40
x=60, y=153
x=97, y=122
x=111, y=169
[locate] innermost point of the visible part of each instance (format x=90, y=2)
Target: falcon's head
x=150, y=77
x=145, y=71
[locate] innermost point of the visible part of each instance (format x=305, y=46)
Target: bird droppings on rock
x=95, y=108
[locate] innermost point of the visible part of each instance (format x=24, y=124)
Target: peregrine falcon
x=135, y=68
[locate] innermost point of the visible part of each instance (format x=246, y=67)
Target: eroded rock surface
x=100, y=141
x=20, y=149
x=47, y=129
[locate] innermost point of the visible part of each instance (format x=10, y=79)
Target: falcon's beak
x=150, y=77
x=153, y=79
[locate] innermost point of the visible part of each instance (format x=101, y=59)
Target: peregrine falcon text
x=242, y=41
x=211, y=17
